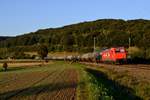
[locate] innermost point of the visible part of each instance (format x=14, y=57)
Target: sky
x=23, y=16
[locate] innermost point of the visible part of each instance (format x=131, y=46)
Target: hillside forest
x=79, y=38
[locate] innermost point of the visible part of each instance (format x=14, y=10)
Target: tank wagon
x=88, y=57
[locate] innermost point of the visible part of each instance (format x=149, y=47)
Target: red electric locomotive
x=115, y=55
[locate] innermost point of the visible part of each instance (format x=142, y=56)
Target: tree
x=33, y=40
x=42, y=51
x=145, y=43
x=68, y=41
x=108, y=32
x=5, y=66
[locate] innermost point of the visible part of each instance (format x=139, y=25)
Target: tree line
x=79, y=37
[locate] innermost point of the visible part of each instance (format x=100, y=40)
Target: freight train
x=117, y=55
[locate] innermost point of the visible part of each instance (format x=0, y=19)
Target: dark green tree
x=108, y=33
x=42, y=51
x=68, y=41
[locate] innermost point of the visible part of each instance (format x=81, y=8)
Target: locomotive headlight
x=122, y=50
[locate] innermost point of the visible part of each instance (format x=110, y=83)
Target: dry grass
x=31, y=53
x=27, y=64
x=135, y=77
x=56, y=54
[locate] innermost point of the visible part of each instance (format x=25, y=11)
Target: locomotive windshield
x=119, y=50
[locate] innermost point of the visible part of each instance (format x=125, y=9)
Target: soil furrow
x=69, y=92
x=31, y=84
x=52, y=81
x=56, y=85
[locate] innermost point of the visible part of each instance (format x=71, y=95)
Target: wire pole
x=129, y=42
x=94, y=45
x=129, y=38
x=5, y=50
x=64, y=53
x=129, y=51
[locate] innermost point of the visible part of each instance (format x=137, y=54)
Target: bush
x=148, y=53
x=137, y=55
x=5, y=66
x=86, y=49
x=135, y=52
x=42, y=51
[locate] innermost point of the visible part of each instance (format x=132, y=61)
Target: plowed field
x=59, y=80
x=51, y=82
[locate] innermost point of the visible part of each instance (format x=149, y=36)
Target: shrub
x=148, y=53
x=135, y=52
x=5, y=66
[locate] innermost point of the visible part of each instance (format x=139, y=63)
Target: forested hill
x=2, y=38
x=79, y=37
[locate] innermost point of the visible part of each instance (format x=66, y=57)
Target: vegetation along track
x=134, y=78
x=139, y=71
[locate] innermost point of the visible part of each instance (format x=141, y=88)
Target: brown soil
x=23, y=64
x=66, y=89
x=56, y=84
